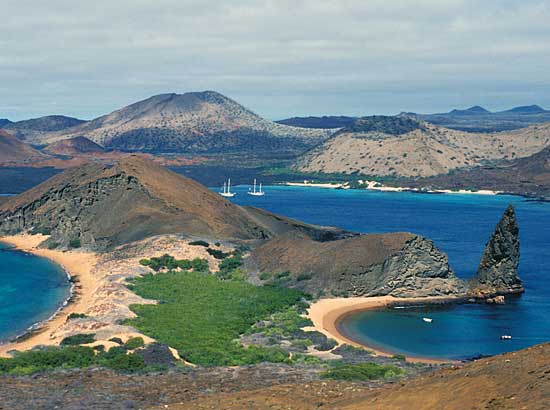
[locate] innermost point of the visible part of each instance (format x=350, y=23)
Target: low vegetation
x=68, y=357
x=78, y=339
x=170, y=263
x=202, y=316
x=362, y=372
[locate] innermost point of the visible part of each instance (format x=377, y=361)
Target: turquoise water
x=459, y=225
x=31, y=290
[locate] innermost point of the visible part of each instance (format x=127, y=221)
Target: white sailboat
x=256, y=193
x=227, y=189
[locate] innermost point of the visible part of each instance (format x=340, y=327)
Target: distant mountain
x=475, y=110
x=196, y=122
x=478, y=119
x=4, y=122
x=74, y=146
x=13, y=150
x=326, y=122
x=525, y=109
x=34, y=129
x=403, y=146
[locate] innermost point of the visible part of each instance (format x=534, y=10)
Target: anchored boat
x=256, y=193
x=226, y=190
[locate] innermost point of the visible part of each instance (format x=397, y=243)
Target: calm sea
x=460, y=225
x=31, y=290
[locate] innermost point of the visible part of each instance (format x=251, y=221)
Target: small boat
x=427, y=319
x=256, y=193
x=226, y=191
x=505, y=337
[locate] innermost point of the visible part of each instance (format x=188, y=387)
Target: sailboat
x=256, y=193
x=227, y=189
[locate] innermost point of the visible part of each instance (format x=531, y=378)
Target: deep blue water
x=31, y=290
x=460, y=225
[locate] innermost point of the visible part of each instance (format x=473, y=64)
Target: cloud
x=279, y=58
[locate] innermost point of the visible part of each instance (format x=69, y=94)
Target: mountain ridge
x=196, y=122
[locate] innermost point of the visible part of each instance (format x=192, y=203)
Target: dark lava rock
x=498, y=269
x=157, y=354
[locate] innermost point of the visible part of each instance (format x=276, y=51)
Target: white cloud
x=278, y=57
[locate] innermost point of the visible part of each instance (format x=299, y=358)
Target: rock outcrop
x=398, y=264
x=497, y=273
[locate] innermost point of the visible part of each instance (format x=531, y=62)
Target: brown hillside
x=74, y=146
x=13, y=150
x=104, y=206
x=513, y=381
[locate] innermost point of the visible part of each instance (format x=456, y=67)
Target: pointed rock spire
x=498, y=270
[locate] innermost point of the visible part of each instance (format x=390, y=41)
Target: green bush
x=79, y=339
x=77, y=316
x=75, y=243
x=362, y=371
x=304, y=276
x=200, y=243
x=218, y=254
x=400, y=357
x=266, y=275
x=134, y=343
x=169, y=262
x=202, y=316
x=53, y=245
x=116, y=340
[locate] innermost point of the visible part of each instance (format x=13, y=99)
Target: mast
x=229, y=186
x=260, y=187
x=254, y=185
x=224, y=187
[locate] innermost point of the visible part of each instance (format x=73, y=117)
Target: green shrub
x=116, y=340
x=218, y=254
x=75, y=243
x=78, y=339
x=362, y=371
x=199, y=265
x=265, y=275
x=77, y=316
x=400, y=357
x=134, y=343
x=53, y=245
x=202, y=316
x=200, y=243
x=304, y=276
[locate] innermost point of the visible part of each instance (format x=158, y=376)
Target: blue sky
x=279, y=58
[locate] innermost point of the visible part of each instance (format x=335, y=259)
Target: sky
x=279, y=58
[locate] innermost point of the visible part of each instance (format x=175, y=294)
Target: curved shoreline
x=326, y=314
x=78, y=267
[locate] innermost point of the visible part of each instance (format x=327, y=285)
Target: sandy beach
x=99, y=289
x=78, y=265
x=326, y=313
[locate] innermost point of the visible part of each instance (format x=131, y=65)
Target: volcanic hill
x=197, y=122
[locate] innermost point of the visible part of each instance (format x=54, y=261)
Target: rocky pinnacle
x=498, y=269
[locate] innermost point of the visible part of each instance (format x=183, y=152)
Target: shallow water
x=31, y=290
x=460, y=225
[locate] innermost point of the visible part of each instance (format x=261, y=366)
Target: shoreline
x=376, y=186
x=78, y=267
x=326, y=314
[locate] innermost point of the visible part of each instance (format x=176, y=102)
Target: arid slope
x=418, y=150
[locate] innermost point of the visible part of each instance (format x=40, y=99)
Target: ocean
x=31, y=290
x=460, y=225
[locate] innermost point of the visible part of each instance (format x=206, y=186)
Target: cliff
x=498, y=270
x=398, y=264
